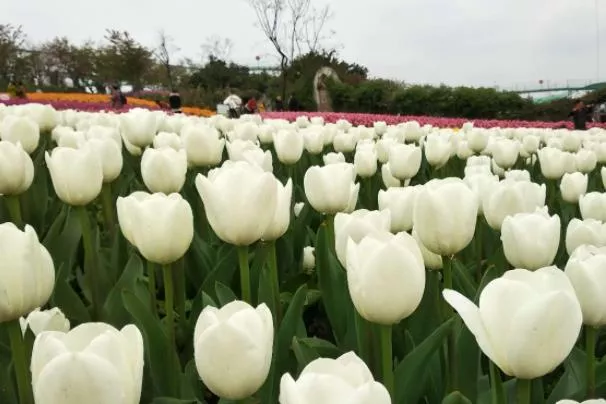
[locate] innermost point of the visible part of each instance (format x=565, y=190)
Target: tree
x=217, y=47
x=12, y=41
x=163, y=53
x=65, y=60
x=293, y=27
x=124, y=59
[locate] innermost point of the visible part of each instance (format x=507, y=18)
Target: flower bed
x=95, y=103
x=369, y=119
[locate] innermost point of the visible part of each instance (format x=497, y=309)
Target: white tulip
x=505, y=153
x=400, y=203
x=588, y=231
x=93, y=363
x=404, y=161
x=356, y=226
x=16, y=169
x=17, y=129
x=111, y=157
x=531, y=240
x=346, y=379
x=573, y=186
x=511, y=197
x=164, y=170
x=333, y=158
x=160, y=226
x=77, y=174
x=386, y=276
x=365, y=162
x=432, y=261
x=593, y=206
x=281, y=220
x=389, y=180
x=240, y=200
x=445, y=216
x=330, y=189
x=45, y=320
x=27, y=272
x=203, y=145
x=233, y=348
x=289, y=146
x=167, y=139
x=309, y=258
x=585, y=269
x=526, y=323
x=437, y=150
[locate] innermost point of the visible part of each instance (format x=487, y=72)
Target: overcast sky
x=457, y=42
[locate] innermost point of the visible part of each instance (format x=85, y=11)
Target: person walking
x=174, y=101
x=580, y=114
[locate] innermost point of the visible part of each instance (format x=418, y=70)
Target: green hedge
x=388, y=97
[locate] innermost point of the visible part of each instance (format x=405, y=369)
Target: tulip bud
x=365, y=162
x=573, y=186
x=477, y=140
x=160, y=226
x=445, y=216
x=386, y=276
x=164, y=170
x=289, y=146
x=203, y=145
x=344, y=142
x=139, y=127
x=309, y=259
x=585, y=269
x=298, y=208
x=240, y=200
x=404, y=161
x=16, y=169
x=46, y=320
x=531, y=240
x=77, y=174
x=510, y=197
x=432, y=261
x=94, y=360
x=110, y=155
x=31, y=278
x=586, y=160
x=552, y=163
x=593, y=206
x=588, y=231
x=356, y=226
x=330, y=189
x=400, y=203
x=333, y=158
x=482, y=185
x=281, y=220
x=527, y=322
x=437, y=150
x=346, y=379
x=167, y=139
x=505, y=153
x=17, y=129
x=233, y=348
x=314, y=141
x=389, y=180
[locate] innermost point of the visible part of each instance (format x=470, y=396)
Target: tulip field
x=167, y=259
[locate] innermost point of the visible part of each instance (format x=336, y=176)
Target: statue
x=321, y=95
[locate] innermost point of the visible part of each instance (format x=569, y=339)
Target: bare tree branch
x=163, y=53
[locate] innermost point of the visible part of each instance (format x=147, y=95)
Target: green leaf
x=63, y=244
x=333, y=285
x=462, y=279
x=282, y=345
x=131, y=280
x=158, y=352
x=65, y=298
x=224, y=294
x=468, y=360
x=7, y=392
x=410, y=375
x=223, y=272
x=456, y=398
x=309, y=349
x=572, y=383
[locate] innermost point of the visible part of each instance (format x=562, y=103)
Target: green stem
x=272, y=261
x=387, y=358
x=178, y=272
x=90, y=255
x=14, y=209
x=244, y=273
x=523, y=388
x=496, y=385
x=169, y=304
x=362, y=331
x=369, y=194
x=330, y=228
x=451, y=341
x=590, y=341
x=20, y=362
x=107, y=203
x=479, y=250
x=151, y=285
